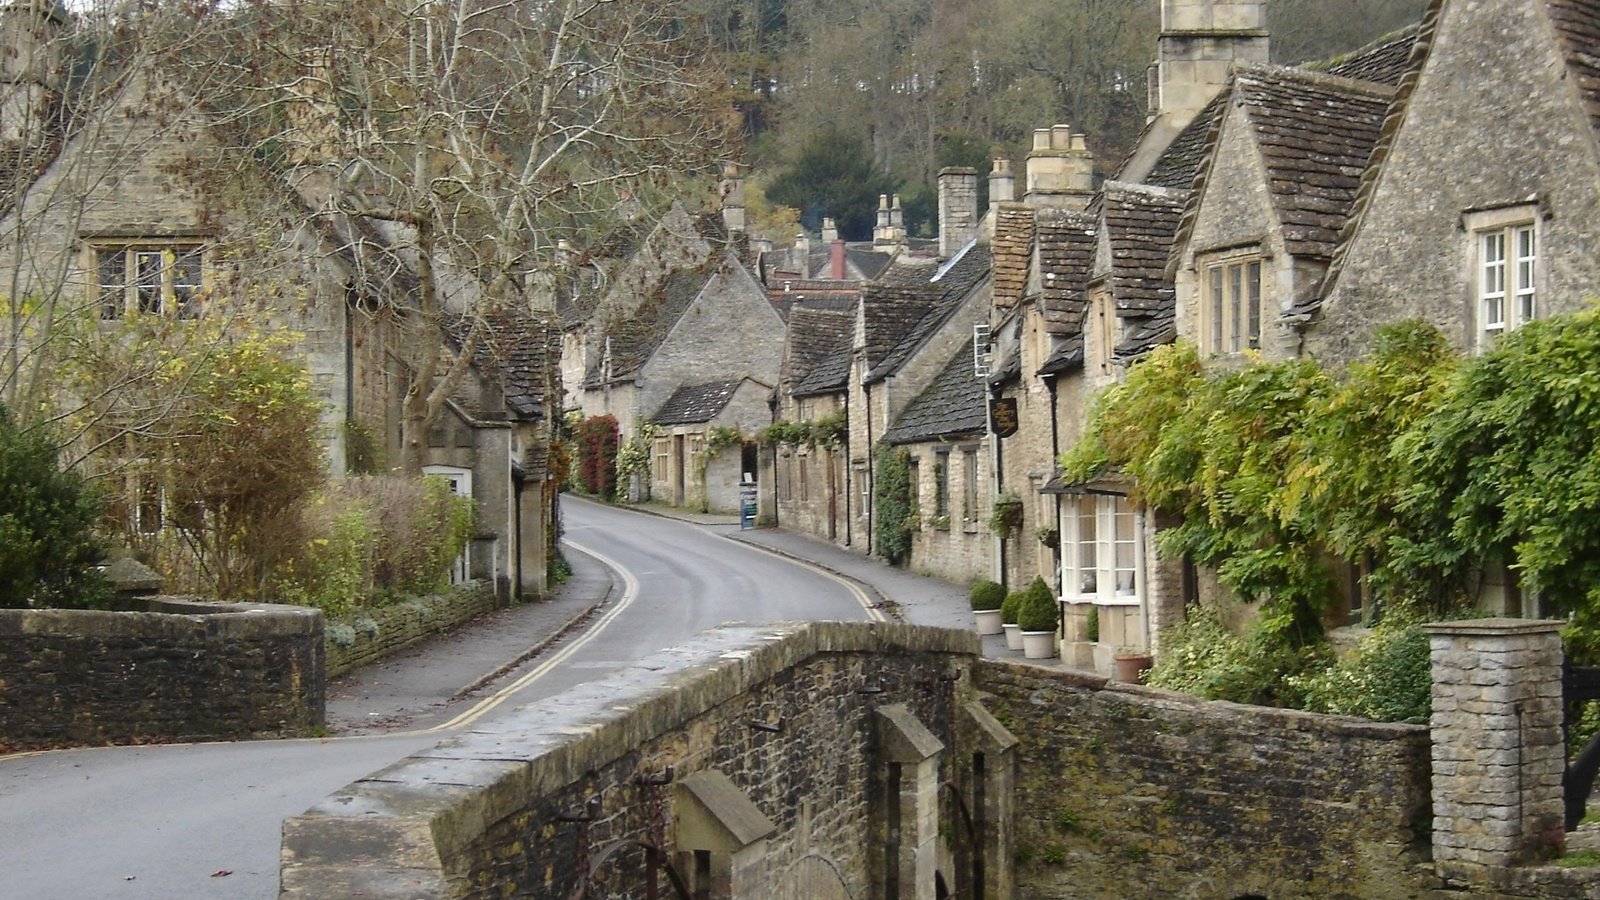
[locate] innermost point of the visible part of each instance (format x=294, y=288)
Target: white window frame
x=1089, y=569
x=1232, y=294
x=145, y=278
x=1107, y=331
x=1507, y=270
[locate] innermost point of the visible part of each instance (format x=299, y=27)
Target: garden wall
x=373, y=634
x=178, y=671
x=1131, y=792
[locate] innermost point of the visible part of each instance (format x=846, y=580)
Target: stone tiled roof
x=516, y=351
x=1068, y=357
x=1577, y=24
x=1180, y=162
x=1384, y=61
x=819, y=349
x=1141, y=224
x=693, y=404
x=1013, y=250
x=1066, y=256
x=635, y=337
x=910, y=302
x=953, y=404
x=1315, y=133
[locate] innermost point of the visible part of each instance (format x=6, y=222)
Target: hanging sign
x=1003, y=416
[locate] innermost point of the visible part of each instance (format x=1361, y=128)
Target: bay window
x=1102, y=550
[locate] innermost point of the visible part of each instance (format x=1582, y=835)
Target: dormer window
x=1230, y=307
x=149, y=279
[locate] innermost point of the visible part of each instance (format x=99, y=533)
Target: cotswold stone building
x=123, y=206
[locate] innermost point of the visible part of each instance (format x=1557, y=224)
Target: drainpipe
x=849, y=488
x=866, y=390
x=999, y=457
x=1055, y=453
x=772, y=414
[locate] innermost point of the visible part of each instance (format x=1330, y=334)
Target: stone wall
x=370, y=635
x=1131, y=792
x=181, y=671
x=791, y=715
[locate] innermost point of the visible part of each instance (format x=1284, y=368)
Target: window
x=1102, y=551
x=941, y=484
x=1507, y=282
x=1230, y=308
x=969, y=486
x=914, y=477
x=659, y=458
x=1104, y=315
x=150, y=280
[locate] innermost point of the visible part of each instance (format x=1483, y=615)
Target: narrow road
x=203, y=820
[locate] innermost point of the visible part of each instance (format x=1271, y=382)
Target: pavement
x=415, y=688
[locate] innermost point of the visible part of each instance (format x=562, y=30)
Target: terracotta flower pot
x=1013, y=636
x=1132, y=666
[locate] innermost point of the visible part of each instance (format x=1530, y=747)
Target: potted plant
x=1049, y=536
x=1132, y=663
x=1037, y=617
x=1006, y=518
x=1008, y=620
x=987, y=597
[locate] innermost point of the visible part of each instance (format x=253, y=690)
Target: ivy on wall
x=893, y=512
x=597, y=438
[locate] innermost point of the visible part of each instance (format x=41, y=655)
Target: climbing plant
x=597, y=438
x=893, y=510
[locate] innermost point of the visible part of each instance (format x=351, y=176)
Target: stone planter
x=1013, y=636
x=988, y=621
x=1132, y=666
x=1038, y=644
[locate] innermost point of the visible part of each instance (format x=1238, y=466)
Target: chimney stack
x=891, y=230
x=731, y=194
x=958, y=209
x=1060, y=170
x=800, y=254
x=836, y=260
x=1002, y=184
x=1200, y=42
x=830, y=231
x=32, y=66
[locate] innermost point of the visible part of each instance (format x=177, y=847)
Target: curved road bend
x=165, y=822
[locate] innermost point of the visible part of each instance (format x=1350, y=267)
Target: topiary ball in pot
x=987, y=595
x=1038, y=610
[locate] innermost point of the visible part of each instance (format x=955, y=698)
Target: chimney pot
x=837, y=260
x=1041, y=139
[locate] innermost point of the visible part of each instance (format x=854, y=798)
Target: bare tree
x=462, y=140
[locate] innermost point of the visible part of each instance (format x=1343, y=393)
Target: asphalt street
x=203, y=820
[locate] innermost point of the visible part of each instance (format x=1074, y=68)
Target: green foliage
x=833, y=175
x=1091, y=625
x=633, y=457
x=1508, y=467
x=1038, y=610
x=829, y=431
x=363, y=451
x=1010, y=606
x=374, y=539
x=986, y=595
x=893, y=512
x=1202, y=657
x=1387, y=678
x=48, y=550
x=1005, y=519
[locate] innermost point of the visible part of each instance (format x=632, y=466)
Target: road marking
x=873, y=613
x=630, y=592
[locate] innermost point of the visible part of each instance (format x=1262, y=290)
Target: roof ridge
x=1250, y=71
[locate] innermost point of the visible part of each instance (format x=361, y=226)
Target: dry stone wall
x=377, y=633
x=1131, y=792
x=181, y=671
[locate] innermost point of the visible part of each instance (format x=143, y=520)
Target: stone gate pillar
x=1498, y=753
x=910, y=754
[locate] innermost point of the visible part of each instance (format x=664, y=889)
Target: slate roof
x=910, y=302
x=1384, y=61
x=515, y=351
x=1066, y=257
x=1067, y=357
x=635, y=337
x=1013, y=251
x=1577, y=25
x=696, y=403
x=819, y=349
x=1181, y=161
x=1315, y=133
x=953, y=404
x=1141, y=224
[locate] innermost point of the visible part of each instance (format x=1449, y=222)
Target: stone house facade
x=119, y=209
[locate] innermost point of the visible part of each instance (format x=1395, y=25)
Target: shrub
x=1202, y=657
x=1091, y=627
x=1009, y=606
x=597, y=438
x=47, y=547
x=1038, y=610
x=987, y=595
x=893, y=510
x=1386, y=678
